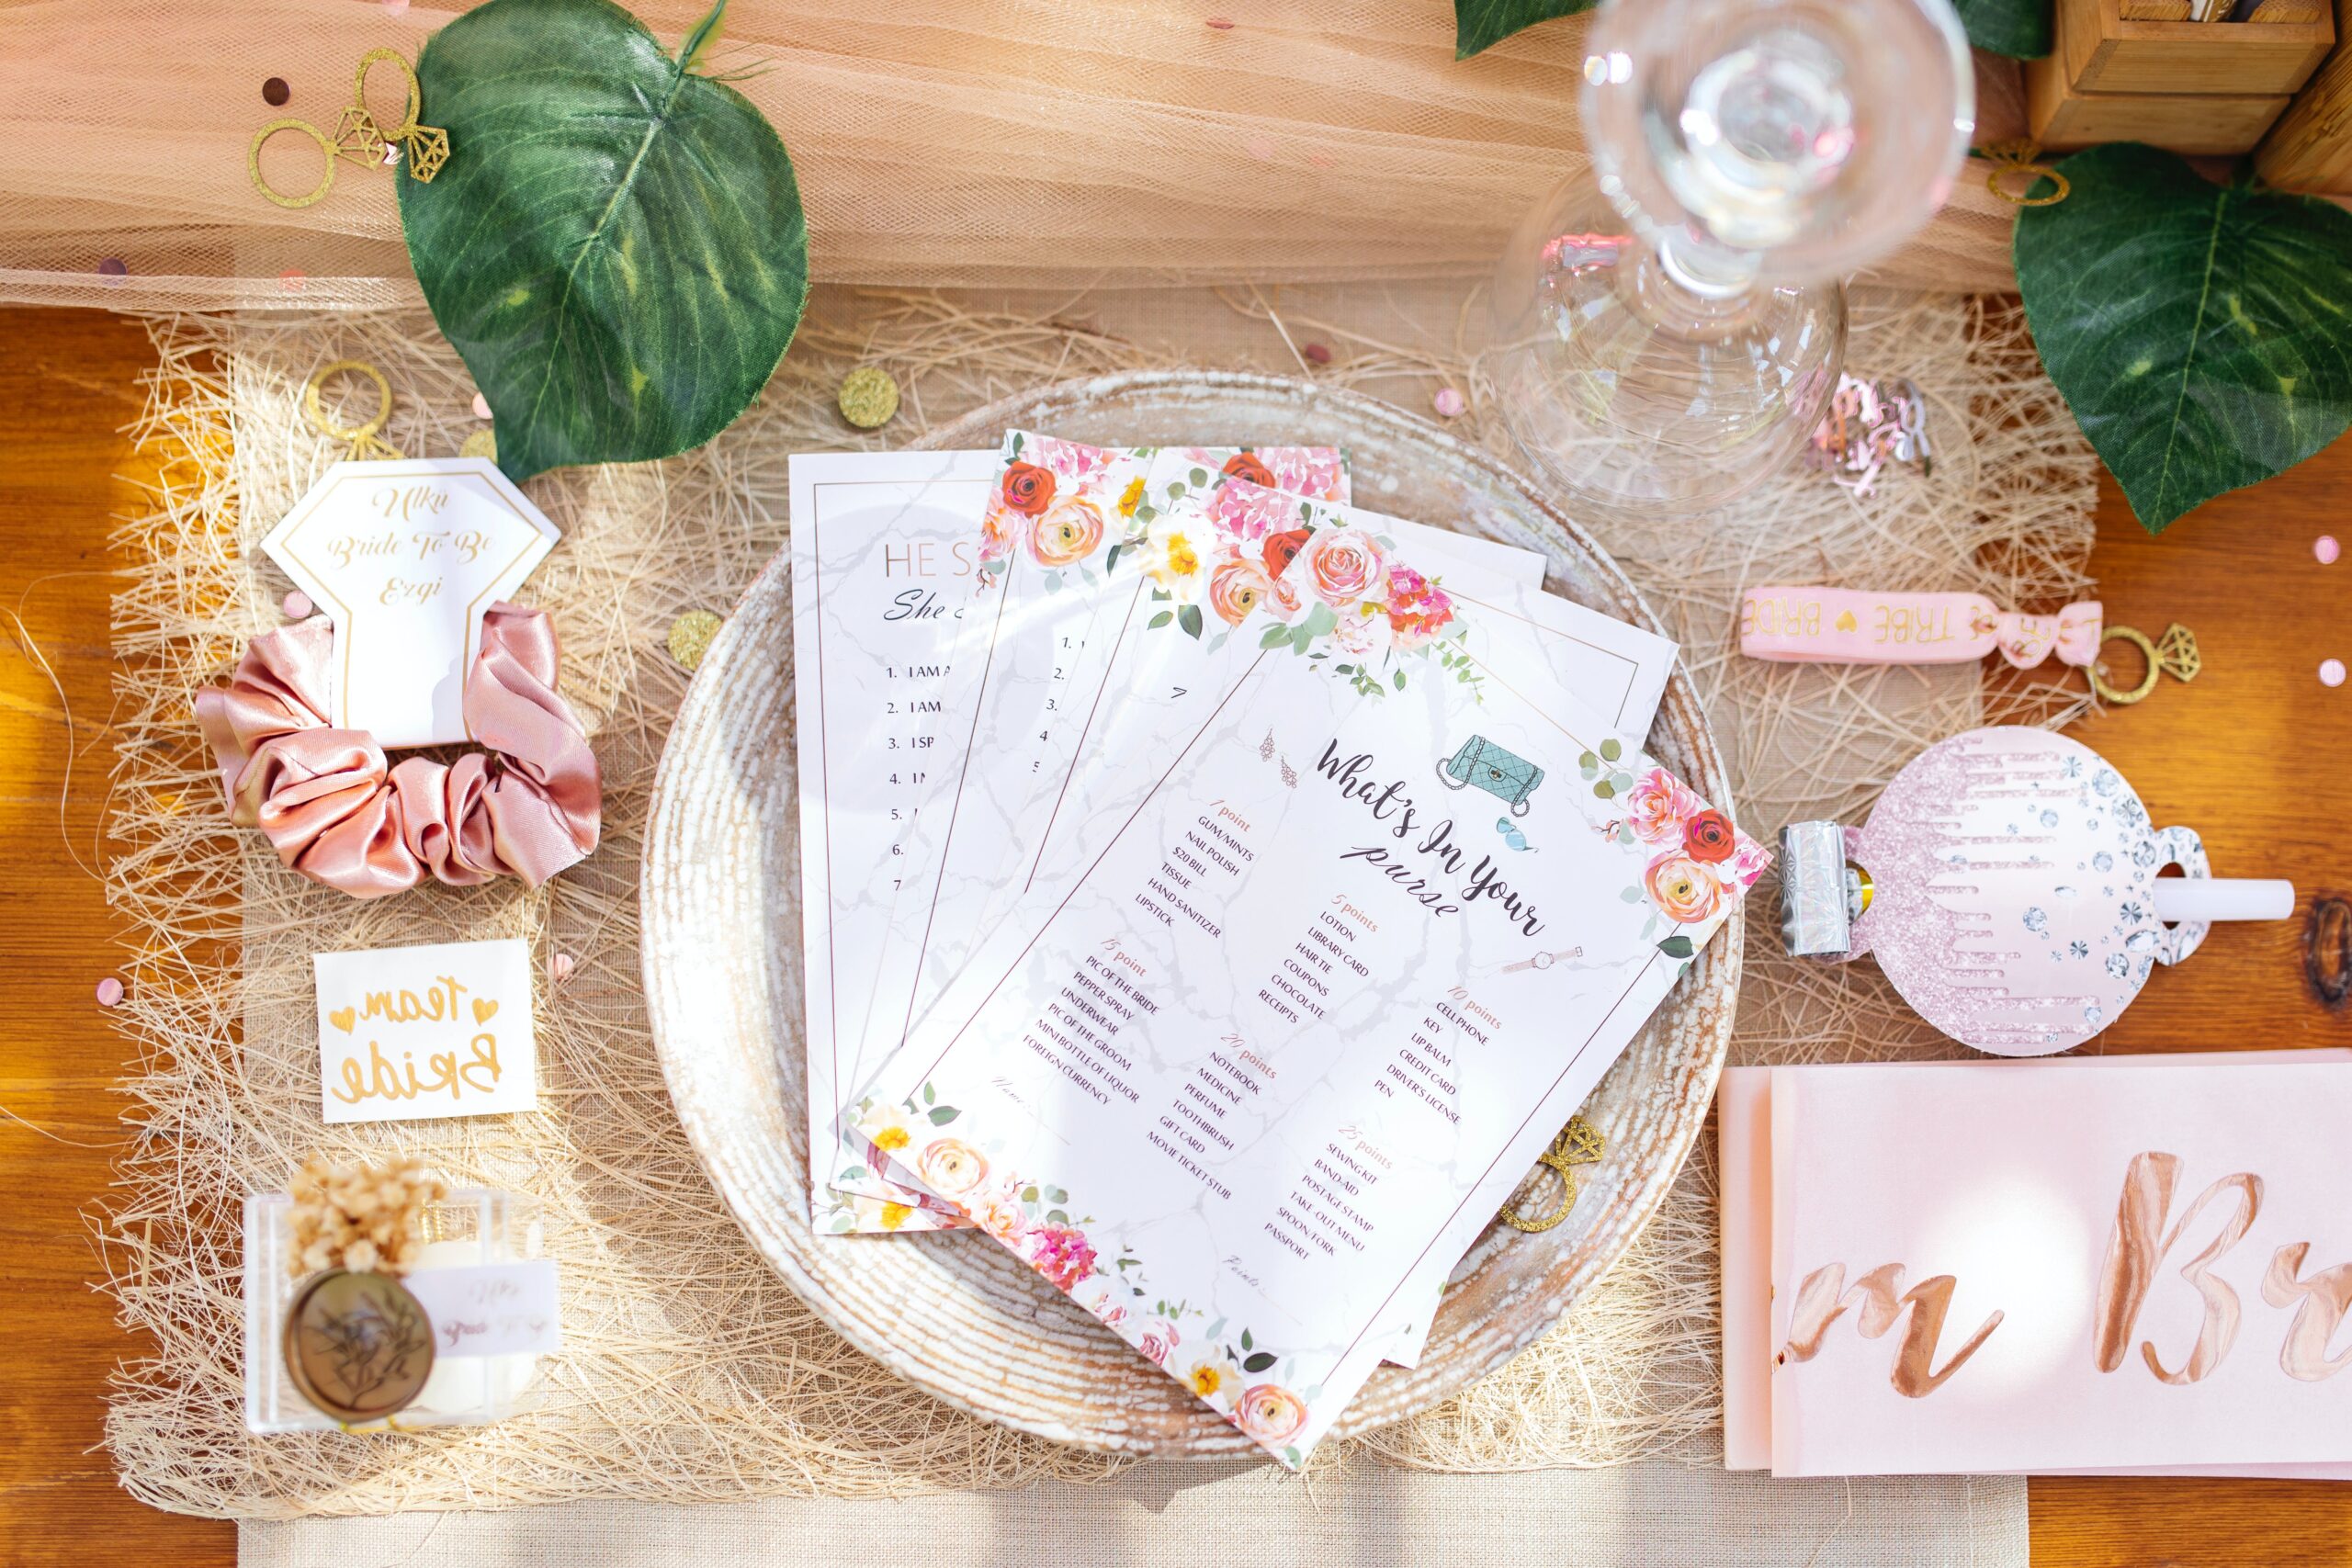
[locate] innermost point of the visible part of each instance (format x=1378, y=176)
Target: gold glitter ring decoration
x=426, y=147
x=411, y=111
x=253, y=160
x=1579, y=1144
x=365, y=438
x=2017, y=157
x=2175, y=654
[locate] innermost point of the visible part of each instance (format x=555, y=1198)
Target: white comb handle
x=2201, y=899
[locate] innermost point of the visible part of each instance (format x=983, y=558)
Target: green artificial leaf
x=2018, y=29
x=2201, y=334
x=1479, y=23
x=616, y=246
x=1675, y=946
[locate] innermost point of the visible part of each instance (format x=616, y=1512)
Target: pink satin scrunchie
x=340, y=813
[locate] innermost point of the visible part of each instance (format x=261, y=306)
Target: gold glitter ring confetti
x=253, y=160
x=1579, y=1143
x=2017, y=157
x=415, y=104
x=365, y=438
x=2174, y=654
x=690, y=637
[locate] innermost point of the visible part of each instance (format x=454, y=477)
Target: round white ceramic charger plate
x=956, y=1314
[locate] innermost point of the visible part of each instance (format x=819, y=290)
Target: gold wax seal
x=358, y=1346
x=868, y=398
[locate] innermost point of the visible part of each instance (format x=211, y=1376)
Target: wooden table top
x=2254, y=755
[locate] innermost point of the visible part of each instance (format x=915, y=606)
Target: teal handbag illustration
x=1481, y=762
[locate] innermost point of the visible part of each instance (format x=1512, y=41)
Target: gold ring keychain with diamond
x=366, y=439
x=359, y=137
x=2174, y=654
x=2018, y=156
x=1579, y=1144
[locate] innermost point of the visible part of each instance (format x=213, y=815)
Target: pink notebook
x=2013, y=1179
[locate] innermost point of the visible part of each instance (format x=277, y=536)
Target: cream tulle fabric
x=938, y=142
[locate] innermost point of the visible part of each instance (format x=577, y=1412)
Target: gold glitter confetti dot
x=868, y=398
x=481, y=443
x=690, y=637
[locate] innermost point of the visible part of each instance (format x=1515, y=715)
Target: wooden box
x=2311, y=146
x=2194, y=87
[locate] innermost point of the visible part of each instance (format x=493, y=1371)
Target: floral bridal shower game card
x=1279, y=1052
x=2074, y=1266
x=441, y=1030
x=887, y=550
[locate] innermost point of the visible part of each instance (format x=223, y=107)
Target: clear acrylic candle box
x=472, y=1226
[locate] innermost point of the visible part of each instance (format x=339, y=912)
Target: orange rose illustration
x=1683, y=890
x=1280, y=549
x=1709, y=837
x=1026, y=488
x=1270, y=1412
x=1067, y=533
x=1243, y=466
x=1343, y=566
x=1236, y=589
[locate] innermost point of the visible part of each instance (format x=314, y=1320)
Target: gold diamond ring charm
x=2174, y=654
x=1579, y=1144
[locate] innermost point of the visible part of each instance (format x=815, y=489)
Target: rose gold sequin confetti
x=559, y=968
x=110, y=992
x=275, y=90
x=482, y=406
x=2331, y=672
x=113, y=270
x=1316, y=354
x=292, y=282
x=2324, y=550
x=297, y=605
x=1222, y=24
x=1448, y=401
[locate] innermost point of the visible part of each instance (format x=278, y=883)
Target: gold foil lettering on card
x=1823, y=1298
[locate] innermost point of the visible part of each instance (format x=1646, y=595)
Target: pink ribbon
x=1847, y=625
x=339, y=814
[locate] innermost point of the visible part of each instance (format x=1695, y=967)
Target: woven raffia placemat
x=690, y=1372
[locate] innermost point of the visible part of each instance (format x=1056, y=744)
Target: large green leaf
x=2019, y=27
x=1479, y=23
x=615, y=246
x=2201, y=334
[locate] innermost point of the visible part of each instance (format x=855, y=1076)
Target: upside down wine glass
x=1669, y=327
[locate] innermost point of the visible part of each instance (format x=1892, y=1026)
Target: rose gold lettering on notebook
x=1823, y=1298
x=2133, y=1256
x=2319, y=1301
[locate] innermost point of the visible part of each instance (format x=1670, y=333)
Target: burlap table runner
x=690, y=1374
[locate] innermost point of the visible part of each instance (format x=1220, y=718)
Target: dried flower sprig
x=366, y=1218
